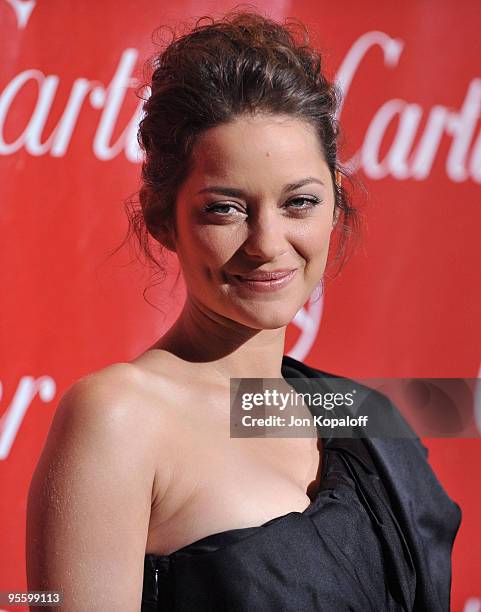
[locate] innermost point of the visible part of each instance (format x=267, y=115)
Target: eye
x=221, y=209
x=225, y=209
x=306, y=203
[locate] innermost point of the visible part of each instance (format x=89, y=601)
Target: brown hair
x=241, y=63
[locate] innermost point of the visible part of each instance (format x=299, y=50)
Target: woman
x=141, y=494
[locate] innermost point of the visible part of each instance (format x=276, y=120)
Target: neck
x=228, y=347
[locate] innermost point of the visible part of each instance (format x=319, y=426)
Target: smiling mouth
x=265, y=281
x=262, y=275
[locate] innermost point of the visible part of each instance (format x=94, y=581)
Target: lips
x=264, y=276
x=262, y=281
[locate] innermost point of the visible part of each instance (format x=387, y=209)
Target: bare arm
x=90, y=499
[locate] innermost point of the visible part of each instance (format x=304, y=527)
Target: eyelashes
x=220, y=209
x=311, y=202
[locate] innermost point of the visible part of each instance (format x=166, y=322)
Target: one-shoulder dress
x=377, y=536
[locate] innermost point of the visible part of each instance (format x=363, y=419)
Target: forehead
x=273, y=145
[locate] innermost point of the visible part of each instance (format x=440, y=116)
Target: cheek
x=208, y=247
x=217, y=244
x=313, y=243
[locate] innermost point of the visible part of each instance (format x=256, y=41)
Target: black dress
x=377, y=536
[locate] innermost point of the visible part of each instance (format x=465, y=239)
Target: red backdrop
x=406, y=305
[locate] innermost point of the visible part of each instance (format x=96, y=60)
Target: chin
x=267, y=316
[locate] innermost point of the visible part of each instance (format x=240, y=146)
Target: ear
x=338, y=178
x=337, y=211
x=336, y=215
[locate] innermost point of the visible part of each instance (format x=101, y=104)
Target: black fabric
x=377, y=536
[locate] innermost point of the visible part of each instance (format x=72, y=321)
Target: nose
x=268, y=235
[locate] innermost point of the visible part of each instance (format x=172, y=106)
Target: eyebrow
x=236, y=193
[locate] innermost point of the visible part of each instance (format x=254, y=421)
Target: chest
x=221, y=483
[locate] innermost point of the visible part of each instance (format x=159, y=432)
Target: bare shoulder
x=100, y=422
x=117, y=385
x=114, y=410
x=90, y=497
x=106, y=422
x=115, y=399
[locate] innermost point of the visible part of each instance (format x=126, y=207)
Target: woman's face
x=259, y=199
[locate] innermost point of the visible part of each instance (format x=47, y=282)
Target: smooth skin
x=139, y=456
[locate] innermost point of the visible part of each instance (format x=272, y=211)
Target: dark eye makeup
x=311, y=203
